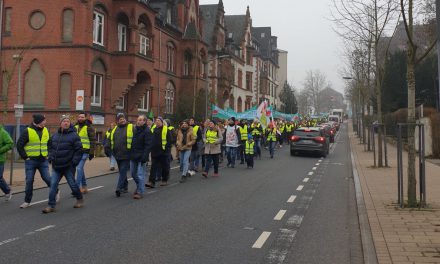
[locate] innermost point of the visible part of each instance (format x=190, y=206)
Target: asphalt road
x=285, y=210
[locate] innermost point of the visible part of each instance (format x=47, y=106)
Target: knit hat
x=64, y=117
x=160, y=118
x=38, y=118
x=119, y=116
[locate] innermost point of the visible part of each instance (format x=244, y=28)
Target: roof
x=191, y=32
x=209, y=14
x=263, y=35
x=236, y=25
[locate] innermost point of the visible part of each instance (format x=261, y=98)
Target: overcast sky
x=303, y=29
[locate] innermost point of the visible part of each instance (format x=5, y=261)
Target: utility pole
x=437, y=8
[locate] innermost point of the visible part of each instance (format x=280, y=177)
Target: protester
x=160, y=152
x=32, y=148
x=249, y=152
x=257, y=132
x=6, y=144
x=65, y=152
x=87, y=135
x=232, y=135
x=271, y=136
x=212, y=139
x=243, y=138
x=185, y=141
x=120, y=142
x=195, y=151
x=139, y=151
x=104, y=142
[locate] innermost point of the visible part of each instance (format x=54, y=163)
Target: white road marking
x=314, y=168
x=45, y=228
x=280, y=215
x=317, y=164
x=320, y=160
x=310, y=173
x=295, y=221
x=261, y=240
x=291, y=199
x=306, y=179
x=34, y=203
x=300, y=188
x=130, y=179
x=96, y=188
x=177, y=167
x=8, y=241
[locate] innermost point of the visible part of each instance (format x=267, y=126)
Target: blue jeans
x=138, y=174
x=123, y=167
x=80, y=176
x=195, y=159
x=272, y=145
x=31, y=166
x=3, y=185
x=231, y=154
x=212, y=159
x=257, y=147
x=55, y=180
x=184, y=161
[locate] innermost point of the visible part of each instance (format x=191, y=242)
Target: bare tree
x=314, y=83
x=411, y=10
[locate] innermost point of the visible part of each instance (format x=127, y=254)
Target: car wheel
x=324, y=154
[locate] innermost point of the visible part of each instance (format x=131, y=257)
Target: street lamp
x=217, y=57
x=359, y=111
x=18, y=114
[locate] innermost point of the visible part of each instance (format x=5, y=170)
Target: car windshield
x=335, y=119
x=302, y=133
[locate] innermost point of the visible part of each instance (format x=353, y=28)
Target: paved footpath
x=400, y=235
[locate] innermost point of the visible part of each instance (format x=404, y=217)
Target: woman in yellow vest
x=250, y=151
x=213, y=140
x=271, y=135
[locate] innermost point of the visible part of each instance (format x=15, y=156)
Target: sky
x=303, y=28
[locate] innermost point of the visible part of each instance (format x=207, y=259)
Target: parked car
x=309, y=140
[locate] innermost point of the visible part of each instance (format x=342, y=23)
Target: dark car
x=309, y=139
x=330, y=131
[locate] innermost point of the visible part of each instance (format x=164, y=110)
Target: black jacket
x=141, y=144
x=119, y=150
x=199, y=137
x=65, y=149
x=24, y=139
x=156, y=146
x=90, y=133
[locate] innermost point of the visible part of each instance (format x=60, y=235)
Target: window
x=249, y=81
x=5, y=85
x=145, y=103
x=96, y=89
x=202, y=70
x=230, y=35
x=121, y=103
x=98, y=28
x=169, y=20
x=169, y=98
x=122, y=37
x=35, y=85
x=144, y=45
x=240, y=79
x=68, y=18
x=263, y=35
x=187, y=63
x=170, y=57
x=65, y=89
x=8, y=14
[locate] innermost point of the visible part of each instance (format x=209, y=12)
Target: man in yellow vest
x=119, y=144
x=250, y=152
x=271, y=135
x=86, y=133
x=243, y=138
x=32, y=147
x=160, y=154
x=288, y=131
x=257, y=133
x=104, y=142
x=196, y=148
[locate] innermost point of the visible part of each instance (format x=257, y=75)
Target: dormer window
x=230, y=35
x=263, y=35
x=169, y=15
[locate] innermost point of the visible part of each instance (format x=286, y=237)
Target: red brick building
x=131, y=56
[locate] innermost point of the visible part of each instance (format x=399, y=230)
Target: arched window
x=98, y=73
x=68, y=23
x=239, y=105
x=34, y=85
x=171, y=55
x=65, y=89
x=169, y=98
x=187, y=63
x=123, y=22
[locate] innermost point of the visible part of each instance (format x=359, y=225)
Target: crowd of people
x=144, y=148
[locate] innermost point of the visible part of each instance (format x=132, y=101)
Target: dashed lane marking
x=96, y=188
x=300, y=188
x=39, y=202
x=317, y=164
x=291, y=199
x=310, y=173
x=314, y=168
x=306, y=179
x=280, y=215
x=261, y=240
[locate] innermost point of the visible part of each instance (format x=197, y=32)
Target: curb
x=368, y=248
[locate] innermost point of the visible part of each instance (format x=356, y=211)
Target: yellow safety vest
x=129, y=136
x=164, y=137
x=289, y=128
x=36, y=146
x=272, y=136
x=153, y=127
x=195, y=130
x=83, y=136
x=255, y=131
x=282, y=128
x=249, y=148
x=211, y=136
x=244, y=133
x=107, y=134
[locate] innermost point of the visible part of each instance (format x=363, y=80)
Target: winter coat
x=199, y=138
x=90, y=133
x=190, y=139
x=24, y=139
x=65, y=149
x=6, y=144
x=119, y=150
x=156, y=146
x=141, y=144
x=216, y=147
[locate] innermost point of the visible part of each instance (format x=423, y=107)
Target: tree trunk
x=412, y=182
x=379, y=116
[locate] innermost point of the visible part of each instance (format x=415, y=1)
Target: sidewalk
x=93, y=168
x=400, y=235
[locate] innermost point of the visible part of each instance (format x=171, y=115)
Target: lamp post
x=18, y=114
x=217, y=57
x=437, y=4
x=358, y=111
